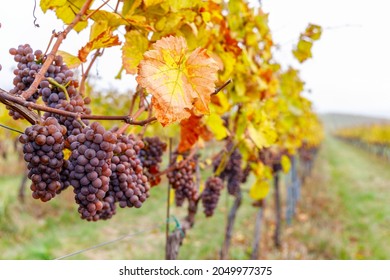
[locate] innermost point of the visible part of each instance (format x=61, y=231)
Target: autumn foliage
x=182, y=52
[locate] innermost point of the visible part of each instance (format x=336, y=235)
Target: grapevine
x=206, y=80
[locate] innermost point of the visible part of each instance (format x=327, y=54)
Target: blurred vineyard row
x=374, y=138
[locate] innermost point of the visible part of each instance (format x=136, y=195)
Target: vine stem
x=50, y=57
x=168, y=205
x=30, y=105
x=221, y=87
x=171, y=167
x=85, y=74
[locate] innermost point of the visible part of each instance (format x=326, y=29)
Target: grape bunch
x=232, y=172
x=181, y=179
x=28, y=66
x=151, y=157
x=211, y=194
x=103, y=169
x=128, y=185
x=245, y=173
x=68, y=99
x=89, y=166
x=43, y=146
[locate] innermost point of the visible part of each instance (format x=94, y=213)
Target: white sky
x=349, y=71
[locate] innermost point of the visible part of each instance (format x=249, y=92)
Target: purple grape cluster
x=151, y=158
x=181, y=179
x=211, y=194
x=128, y=183
x=232, y=172
x=89, y=166
x=43, y=146
x=28, y=66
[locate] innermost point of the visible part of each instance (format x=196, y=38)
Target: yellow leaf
x=313, y=31
x=70, y=60
x=133, y=49
x=68, y=12
x=303, y=50
x=176, y=5
x=112, y=19
x=259, y=189
x=171, y=196
x=149, y=3
x=179, y=158
x=129, y=6
x=257, y=136
x=179, y=81
x=100, y=38
x=51, y=4
x=201, y=187
x=216, y=125
x=286, y=164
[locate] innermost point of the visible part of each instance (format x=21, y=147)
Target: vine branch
x=13, y=101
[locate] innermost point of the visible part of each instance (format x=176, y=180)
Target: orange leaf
x=104, y=39
x=191, y=129
x=180, y=81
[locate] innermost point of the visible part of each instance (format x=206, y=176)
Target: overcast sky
x=349, y=71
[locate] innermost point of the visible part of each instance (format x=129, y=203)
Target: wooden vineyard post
x=229, y=227
x=278, y=210
x=257, y=236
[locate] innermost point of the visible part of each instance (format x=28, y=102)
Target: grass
x=346, y=205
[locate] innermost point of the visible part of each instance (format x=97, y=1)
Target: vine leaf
x=216, y=125
x=302, y=51
x=179, y=81
x=70, y=60
x=259, y=189
x=191, y=129
x=101, y=37
x=133, y=49
x=263, y=136
x=65, y=10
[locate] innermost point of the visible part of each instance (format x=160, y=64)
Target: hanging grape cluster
x=28, y=65
x=43, y=146
x=232, y=172
x=151, y=158
x=182, y=180
x=211, y=194
x=104, y=169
